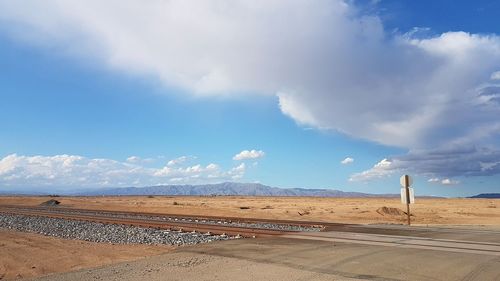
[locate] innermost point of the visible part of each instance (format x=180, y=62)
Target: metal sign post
x=407, y=194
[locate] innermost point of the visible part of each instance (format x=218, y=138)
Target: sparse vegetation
x=305, y=212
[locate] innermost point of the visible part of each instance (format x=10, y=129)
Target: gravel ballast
x=260, y=225
x=104, y=233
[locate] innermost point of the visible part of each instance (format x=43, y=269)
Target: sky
x=346, y=95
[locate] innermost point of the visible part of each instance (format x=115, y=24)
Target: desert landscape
x=426, y=211
x=249, y=140
x=32, y=255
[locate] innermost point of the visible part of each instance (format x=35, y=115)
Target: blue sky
x=89, y=102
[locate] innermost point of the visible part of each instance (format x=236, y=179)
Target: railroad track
x=201, y=224
x=418, y=238
x=179, y=216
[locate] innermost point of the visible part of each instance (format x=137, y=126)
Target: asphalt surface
x=457, y=233
x=440, y=254
x=362, y=261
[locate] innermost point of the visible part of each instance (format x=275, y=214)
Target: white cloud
x=212, y=167
x=137, y=159
x=180, y=160
x=495, y=75
x=438, y=163
x=449, y=182
x=133, y=159
x=445, y=181
x=294, y=109
x=69, y=171
x=238, y=172
x=249, y=154
x=347, y=160
x=415, y=105
x=382, y=169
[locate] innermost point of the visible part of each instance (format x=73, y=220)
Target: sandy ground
x=194, y=266
x=28, y=255
x=346, y=210
x=25, y=255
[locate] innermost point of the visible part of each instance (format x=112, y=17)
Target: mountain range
x=487, y=195
x=229, y=188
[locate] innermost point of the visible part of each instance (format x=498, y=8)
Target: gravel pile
x=50, y=203
x=104, y=233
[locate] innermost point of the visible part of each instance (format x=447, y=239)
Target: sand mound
x=50, y=203
x=390, y=211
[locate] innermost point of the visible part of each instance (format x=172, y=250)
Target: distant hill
x=229, y=188
x=487, y=195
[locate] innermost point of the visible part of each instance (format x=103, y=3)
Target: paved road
x=435, y=244
x=441, y=255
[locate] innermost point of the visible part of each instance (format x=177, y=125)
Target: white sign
x=404, y=199
x=403, y=180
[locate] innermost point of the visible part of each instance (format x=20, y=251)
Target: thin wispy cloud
x=180, y=160
x=347, y=160
x=249, y=154
x=444, y=181
x=449, y=182
x=137, y=159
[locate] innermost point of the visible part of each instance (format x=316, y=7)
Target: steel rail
x=408, y=242
x=180, y=216
x=159, y=224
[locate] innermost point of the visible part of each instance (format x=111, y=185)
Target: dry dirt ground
x=345, y=210
x=194, y=266
x=31, y=255
x=24, y=255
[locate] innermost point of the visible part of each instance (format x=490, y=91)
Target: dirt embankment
x=25, y=255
